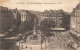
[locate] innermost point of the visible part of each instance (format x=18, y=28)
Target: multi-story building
x=23, y=16
x=75, y=22
x=58, y=17
x=26, y=16
x=5, y=19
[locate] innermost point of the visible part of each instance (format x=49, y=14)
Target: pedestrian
x=26, y=46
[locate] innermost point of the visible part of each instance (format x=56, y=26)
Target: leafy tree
x=26, y=26
x=45, y=26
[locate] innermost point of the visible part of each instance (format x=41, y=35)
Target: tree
x=22, y=28
x=26, y=26
x=45, y=26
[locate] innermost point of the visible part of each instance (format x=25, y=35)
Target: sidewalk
x=30, y=47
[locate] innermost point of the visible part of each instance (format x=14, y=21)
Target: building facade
x=75, y=23
x=58, y=18
x=5, y=19
x=23, y=16
x=26, y=16
x=75, y=19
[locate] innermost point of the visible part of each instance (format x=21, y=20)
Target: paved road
x=59, y=41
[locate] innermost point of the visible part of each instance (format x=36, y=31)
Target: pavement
x=58, y=42
x=30, y=47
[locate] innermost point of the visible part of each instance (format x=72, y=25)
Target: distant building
x=5, y=19
x=58, y=18
x=27, y=19
x=23, y=16
x=75, y=22
x=26, y=16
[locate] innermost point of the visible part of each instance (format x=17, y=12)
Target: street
x=59, y=41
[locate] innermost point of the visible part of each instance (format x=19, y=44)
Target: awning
x=11, y=38
x=57, y=28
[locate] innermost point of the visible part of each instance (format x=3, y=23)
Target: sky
x=41, y=5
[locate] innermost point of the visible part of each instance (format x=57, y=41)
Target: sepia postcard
x=39, y=24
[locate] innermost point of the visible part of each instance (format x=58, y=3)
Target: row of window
x=49, y=17
x=52, y=14
x=77, y=26
x=77, y=13
x=76, y=20
x=23, y=13
x=55, y=20
x=23, y=17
